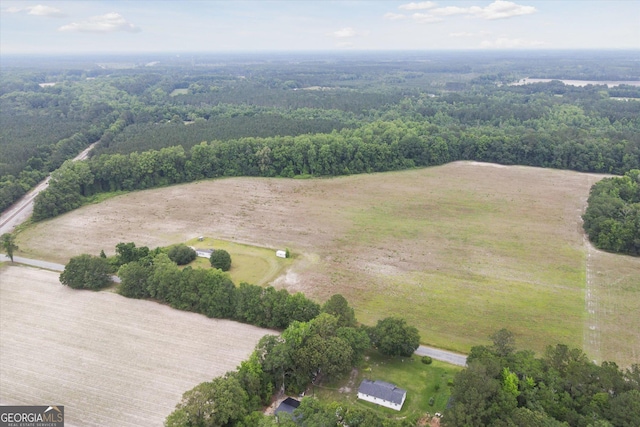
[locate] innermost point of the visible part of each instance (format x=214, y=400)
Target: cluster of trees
x=612, y=218
x=87, y=272
x=505, y=387
x=304, y=352
x=318, y=343
x=212, y=293
x=324, y=348
x=377, y=146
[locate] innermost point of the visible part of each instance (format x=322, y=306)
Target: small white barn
x=382, y=393
x=281, y=254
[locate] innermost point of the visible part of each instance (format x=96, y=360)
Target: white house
x=281, y=254
x=382, y=393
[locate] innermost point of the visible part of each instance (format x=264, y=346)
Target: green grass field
x=421, y=381
x=250, y=264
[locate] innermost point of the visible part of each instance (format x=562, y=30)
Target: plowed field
x=111, y=361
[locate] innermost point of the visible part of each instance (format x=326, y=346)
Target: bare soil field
x=459, y=250
x=111, y=361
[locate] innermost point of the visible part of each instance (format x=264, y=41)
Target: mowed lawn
x=251, y=264
x=460, y=250
x=111, y=361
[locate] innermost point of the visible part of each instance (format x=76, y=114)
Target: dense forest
x=178, y=120
x=505, y=387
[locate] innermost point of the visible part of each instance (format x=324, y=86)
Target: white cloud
x=344, y=33
x=507, y=43
x=109, y=23
x=451, y=10
x=426, y=18
x=40, y=10
x=501, y=9
x=418, y=6
x=394, y=16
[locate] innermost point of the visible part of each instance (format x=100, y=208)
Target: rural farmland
x=460, y=250
x=108, y=359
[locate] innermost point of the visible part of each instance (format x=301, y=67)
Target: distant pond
x=577, y=82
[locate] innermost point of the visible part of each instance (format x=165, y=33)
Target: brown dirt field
x=111, y=361
x=460, y=250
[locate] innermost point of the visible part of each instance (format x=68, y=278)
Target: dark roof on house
x=288, y=405
x=382, y=390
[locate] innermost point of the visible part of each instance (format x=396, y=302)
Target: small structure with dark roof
x=382, y=393
x=288, y=405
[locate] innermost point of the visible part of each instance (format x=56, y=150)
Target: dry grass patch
x=462, y=250
x=613, y=329
x=108, y=359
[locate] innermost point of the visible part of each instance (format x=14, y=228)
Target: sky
x=68, y=27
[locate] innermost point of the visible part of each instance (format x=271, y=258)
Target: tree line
x=612, y=218
x=503, y=387
x=374, y=147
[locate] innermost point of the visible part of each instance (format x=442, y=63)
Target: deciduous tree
x=221, y=259
x=9, y=244
x=393, y=337
x=181, y=254
x=338, y=306
x=86, y=272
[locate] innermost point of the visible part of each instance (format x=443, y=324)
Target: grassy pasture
x=460, y=250
x=249, y=264
x=613, y=328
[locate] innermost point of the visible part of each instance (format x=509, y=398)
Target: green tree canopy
x=393, y=337
x=181, y=254
x=9, y=244
x=86, y=272
x=218, y=403
x=220, y=259
x=338, y=306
